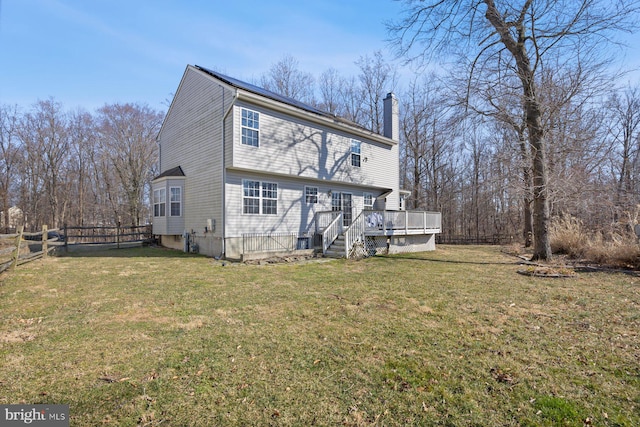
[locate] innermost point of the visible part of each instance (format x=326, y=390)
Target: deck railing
x=324, y=218
x=397, y=222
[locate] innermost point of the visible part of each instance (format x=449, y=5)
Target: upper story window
x=259, y=197
x=159, y=202
x=250, y=127
x=355, y=152
x=175, y=199
x=311, y=194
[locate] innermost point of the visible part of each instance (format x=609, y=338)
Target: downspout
x=224, y=166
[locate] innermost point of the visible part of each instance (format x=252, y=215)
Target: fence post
x=45, y=243
x=66, y=238
x=16, y=254
x=118, y=234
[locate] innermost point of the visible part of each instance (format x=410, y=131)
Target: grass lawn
x=454, y=337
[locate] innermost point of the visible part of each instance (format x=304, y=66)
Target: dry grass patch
x=453, y=337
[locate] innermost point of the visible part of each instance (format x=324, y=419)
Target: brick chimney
x=391, y=117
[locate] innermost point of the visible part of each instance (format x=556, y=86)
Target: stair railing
x=354, y=234
x=331, y=232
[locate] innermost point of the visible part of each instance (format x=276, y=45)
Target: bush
x=568, y=236
x=618, y=248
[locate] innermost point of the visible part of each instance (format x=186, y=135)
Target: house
x=246, y=172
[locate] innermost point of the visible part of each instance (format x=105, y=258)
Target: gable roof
x=239, y=84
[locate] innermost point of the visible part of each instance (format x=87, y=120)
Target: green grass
x=453, y=337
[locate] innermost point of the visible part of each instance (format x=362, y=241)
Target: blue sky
x=86, y=53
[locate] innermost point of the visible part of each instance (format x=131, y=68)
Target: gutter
x=224, y=166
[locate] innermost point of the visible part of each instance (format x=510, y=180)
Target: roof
x=276, y=97
x=177, y=171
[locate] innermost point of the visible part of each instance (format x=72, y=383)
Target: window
x=175, y=199
x=311, y=194
x=269, y=198
x=250, y=127
x=251, y=198
x=159, y=200
x=259, y=197
x=355, y=153
x=368, y=201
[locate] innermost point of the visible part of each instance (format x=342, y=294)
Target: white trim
x=260, y=197
x=250, y=128
x=161, y=191
x=317, y=195
x=179, y=202
x=365, y=206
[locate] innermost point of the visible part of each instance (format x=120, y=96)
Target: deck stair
x=337, y=248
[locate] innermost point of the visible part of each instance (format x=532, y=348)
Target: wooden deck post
x=45, y=242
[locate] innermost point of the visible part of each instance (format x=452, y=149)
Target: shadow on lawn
x=131, y=252
x=444, y=261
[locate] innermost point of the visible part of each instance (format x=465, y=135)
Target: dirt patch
x=288, y=259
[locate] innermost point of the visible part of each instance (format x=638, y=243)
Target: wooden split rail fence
x=22, y=247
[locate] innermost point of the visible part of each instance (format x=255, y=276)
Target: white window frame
x=372, y=200
x=269, y=203
x=172, y=202
x=311, y=195
x=250, y=124
x=356, y=153
x=263, y=196
x=159, y=202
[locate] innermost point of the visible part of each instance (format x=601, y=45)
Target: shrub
x=568, y=236
x=618, y=248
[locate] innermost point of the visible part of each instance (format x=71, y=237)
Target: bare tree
x=9, y=160
x=625, y=131
x=519, y=39
x=427, y=134
x=285, y=78
x=45, y=139
x=83, y=147
x=128, y=145
x=377, y=78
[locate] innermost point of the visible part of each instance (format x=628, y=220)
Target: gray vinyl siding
x=295, y=215
x=191, y=137
x=291, y=146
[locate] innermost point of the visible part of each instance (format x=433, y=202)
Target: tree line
x=76, y=167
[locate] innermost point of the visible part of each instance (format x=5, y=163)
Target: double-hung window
x=159, y=202
x=368, y=201
x=250, y=127
x=311, y=194
x=269, y=198
x=259, y=197
x=355, y=153
x=175, y=200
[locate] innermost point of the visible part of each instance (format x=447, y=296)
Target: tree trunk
x=527, y=229
x=533, y=112
x=541, y=217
